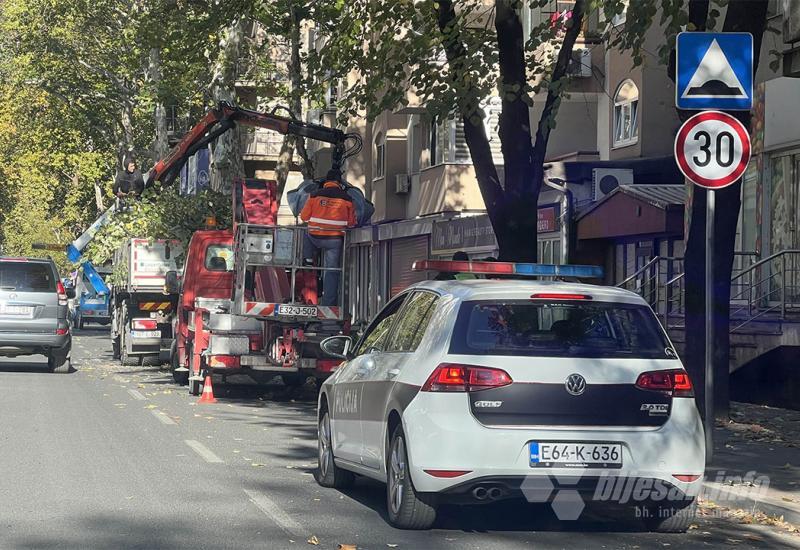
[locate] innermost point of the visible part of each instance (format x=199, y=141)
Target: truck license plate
x=145, y=334
x=575, y=455
x=297, y=311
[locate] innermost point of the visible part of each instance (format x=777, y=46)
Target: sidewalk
x=766, y=441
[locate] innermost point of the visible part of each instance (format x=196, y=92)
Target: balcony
x=262, y=144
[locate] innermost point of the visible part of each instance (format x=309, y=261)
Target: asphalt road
x=120, y=457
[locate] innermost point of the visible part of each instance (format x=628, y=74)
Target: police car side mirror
x=337, y=346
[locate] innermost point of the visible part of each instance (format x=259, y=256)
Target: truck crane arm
x=215, y=123
x=226, y=116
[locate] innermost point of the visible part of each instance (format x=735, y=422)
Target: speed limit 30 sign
x=712, y=149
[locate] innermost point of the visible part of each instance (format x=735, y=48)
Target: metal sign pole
x=709, y=385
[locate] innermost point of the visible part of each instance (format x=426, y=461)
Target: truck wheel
x=180, y=377
x=78, y=322
x=125, y=358
x=115, y=347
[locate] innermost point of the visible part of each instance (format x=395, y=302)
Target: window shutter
x=406, y=251
x=461, y=149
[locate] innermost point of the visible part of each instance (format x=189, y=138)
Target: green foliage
x=80, y=82
x=160, y=214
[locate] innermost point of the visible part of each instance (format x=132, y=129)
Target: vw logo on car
x=575, y=384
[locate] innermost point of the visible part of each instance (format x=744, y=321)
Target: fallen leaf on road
x=316, y=500
x=391, y=545
x=347, y=547
x=151, y=406
x=257, y=465
x=313, y=540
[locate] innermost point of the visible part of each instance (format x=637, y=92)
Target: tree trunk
x=126, y=145
x=512, y=207
x=161, y=144
x=295, y=68
x=227, y=155
x=474, y=129
x=742, y=16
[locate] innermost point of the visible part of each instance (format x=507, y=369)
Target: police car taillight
x=676, y=382
x=450, y=377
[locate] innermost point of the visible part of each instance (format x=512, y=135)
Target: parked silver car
x=34, y=312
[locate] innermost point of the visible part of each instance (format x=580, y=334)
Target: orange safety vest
x=329, y=211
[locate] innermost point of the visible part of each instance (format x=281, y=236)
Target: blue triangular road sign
x=714, y=71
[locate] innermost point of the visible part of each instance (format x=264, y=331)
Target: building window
x=380, y=157
x=626, y=114
x=447, y=143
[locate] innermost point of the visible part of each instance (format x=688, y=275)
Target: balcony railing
x=262, y=143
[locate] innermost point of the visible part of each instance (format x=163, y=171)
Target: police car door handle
x=393, y=372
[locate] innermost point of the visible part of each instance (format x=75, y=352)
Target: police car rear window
x=27, y=277
x=559, y=329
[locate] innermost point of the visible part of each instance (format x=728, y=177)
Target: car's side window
x=377, y=334
x=413, y=322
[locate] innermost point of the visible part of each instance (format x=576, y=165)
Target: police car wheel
x=328, y=474
x=671, y=517
x=407, y=508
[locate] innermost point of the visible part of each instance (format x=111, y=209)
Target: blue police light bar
x=510, y=268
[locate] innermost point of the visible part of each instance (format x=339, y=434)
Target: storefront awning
x=632, y=210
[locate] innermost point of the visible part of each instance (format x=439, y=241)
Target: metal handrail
x=765, y=260
x=753, y=289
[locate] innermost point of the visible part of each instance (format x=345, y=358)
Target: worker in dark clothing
x=328, y=212
x=459, y=256
x=129, y=182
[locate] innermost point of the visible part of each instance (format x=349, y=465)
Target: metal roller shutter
x=404, y=252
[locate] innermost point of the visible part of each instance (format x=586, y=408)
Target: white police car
x=479, y=390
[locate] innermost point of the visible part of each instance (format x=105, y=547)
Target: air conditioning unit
x=401, y=184
x=605, y=180
x=581, y=63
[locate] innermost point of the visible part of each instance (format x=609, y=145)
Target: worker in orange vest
x=328, y=212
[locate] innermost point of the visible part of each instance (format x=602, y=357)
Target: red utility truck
x=212, y=339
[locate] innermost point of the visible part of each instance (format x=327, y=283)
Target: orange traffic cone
x=208, y=392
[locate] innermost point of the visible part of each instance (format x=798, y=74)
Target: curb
x=768, y=505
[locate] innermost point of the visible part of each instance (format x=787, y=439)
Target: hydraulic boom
x=215, y=123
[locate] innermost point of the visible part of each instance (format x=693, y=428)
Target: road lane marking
x=275, y=513
x=136, y=395
x=204, y=452
x=162, y=417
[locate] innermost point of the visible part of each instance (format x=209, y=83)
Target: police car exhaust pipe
x=480, y=493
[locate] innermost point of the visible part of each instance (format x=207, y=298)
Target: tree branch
x=474, y=129
x=556, y=83
x=514, y=123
